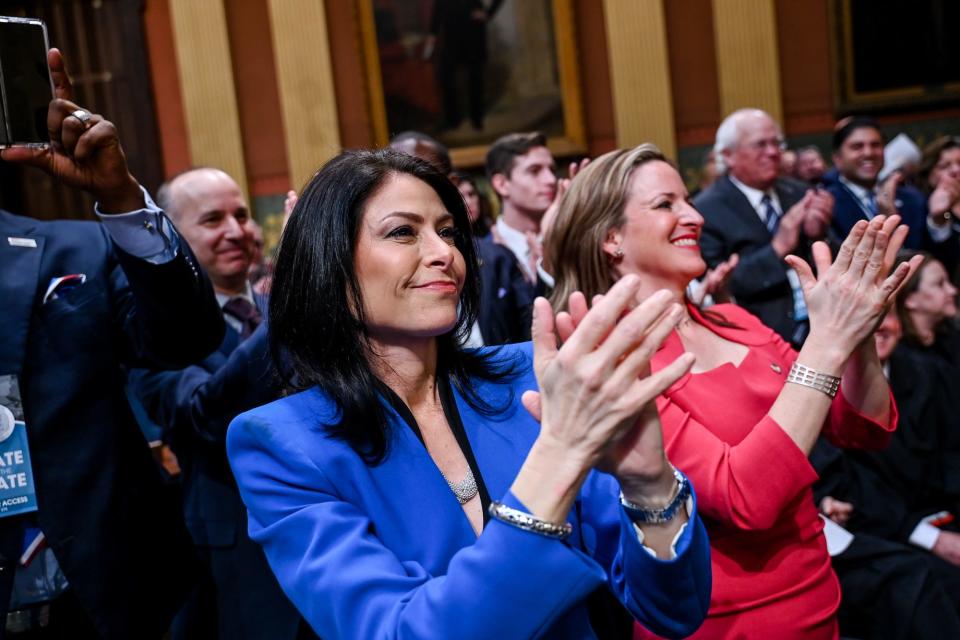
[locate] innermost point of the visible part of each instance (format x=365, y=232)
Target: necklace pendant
x=465, y=489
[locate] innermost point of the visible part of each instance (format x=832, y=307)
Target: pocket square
x=61, y=285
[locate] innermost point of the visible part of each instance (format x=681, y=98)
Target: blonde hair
x=592, y=207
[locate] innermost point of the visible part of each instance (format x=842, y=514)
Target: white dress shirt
x=516, y=241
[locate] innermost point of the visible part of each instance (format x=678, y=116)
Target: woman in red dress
x=733, y=424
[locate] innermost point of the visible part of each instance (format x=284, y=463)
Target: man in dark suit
x=751, y=212
x=521, y=169
x=81, y=299
x=505, y=312
x=240, y=599
x=853, y=182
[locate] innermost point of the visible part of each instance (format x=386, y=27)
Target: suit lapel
x=20, y=261
x=738, y=203
x=262, y=302
x=788, y=193
x=231, y=340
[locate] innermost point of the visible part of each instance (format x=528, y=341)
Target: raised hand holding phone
x=84, y=150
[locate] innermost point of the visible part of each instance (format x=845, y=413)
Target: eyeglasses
x=761, y=145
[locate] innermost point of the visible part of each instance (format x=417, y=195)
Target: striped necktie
x=872, y=204
x=771, y=217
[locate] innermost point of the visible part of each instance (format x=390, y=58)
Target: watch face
x=6, y=423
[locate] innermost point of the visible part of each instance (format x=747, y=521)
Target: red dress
x=771, y=572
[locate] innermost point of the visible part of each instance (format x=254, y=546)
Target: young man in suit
x=81, y=300
x=521, y=170
x=858, y=159
x=752, y=212
x=240, y=597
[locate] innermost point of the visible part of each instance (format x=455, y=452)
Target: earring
x=618, y=254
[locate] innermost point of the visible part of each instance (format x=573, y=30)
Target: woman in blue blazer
x=408, y=491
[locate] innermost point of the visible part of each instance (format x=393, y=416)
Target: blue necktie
x=770, y=214
x=872, y=203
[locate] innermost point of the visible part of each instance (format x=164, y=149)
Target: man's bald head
x=209, y=210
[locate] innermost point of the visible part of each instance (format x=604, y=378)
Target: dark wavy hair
x=910, y=333
x=318, y=335
x=931, y=156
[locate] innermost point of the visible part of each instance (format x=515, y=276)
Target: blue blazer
x=912, y=205
x=847, y=211
x=386, y=551
x=116, y=534
x=194, y=407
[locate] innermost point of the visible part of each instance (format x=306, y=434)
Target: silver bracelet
x=527, y=522
x=807, y=377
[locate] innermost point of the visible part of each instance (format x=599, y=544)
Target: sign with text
x=17, y=494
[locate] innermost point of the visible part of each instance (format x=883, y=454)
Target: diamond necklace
x=466, y=489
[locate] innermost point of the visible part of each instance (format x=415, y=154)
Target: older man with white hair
x=753, y=212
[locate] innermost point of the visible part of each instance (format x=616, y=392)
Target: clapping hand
x=597, y=391
x=945, y=197
x=714, y=283
x=887, y=195
x=947, y=547
x=818, y=215
x=848, y=298
x=837, y=510
x=84, y=150
x=546, y=222
x=787, y=235
x=288, y=204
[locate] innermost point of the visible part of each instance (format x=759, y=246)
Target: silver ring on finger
x=84, y=116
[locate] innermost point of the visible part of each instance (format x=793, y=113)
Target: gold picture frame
x=571, y=141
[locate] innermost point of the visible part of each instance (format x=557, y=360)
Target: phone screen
x=24, y=81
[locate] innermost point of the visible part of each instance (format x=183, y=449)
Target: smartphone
x=26, y=87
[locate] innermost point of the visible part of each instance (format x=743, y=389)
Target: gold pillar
x=305, y=79
x=640, y=73
x=206, y=81
x=748, y=64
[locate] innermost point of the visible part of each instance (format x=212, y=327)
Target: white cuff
x=673, y=543
x=838, y=538
x=939, y=232
x=924, y=535
x=145, y=233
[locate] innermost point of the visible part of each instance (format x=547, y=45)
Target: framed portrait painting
x=468, y=71
x=889, y=57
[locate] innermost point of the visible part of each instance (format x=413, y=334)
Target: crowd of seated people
x=610, y=410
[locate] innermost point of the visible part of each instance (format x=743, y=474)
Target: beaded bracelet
x=807, y=377
x=527, y=522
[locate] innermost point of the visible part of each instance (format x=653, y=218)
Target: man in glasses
x=755, y=213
